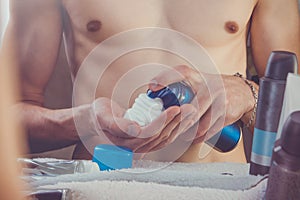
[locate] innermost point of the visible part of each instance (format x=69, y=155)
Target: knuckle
x=165, y=137
x=183, y=70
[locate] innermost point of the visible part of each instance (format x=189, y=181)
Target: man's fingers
x=166, y=136
x=202, y=127
x=153, y=134
x=215, y=128
x=171, y=130
x=167, y=77
x=155, y=127
x=120, y=127
x=188, y=117
x=108, y=116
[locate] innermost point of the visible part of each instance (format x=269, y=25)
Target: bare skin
x=11, y=144
x=221, y=28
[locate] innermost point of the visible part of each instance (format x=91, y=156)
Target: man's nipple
x=231, y=27
x=93, y=26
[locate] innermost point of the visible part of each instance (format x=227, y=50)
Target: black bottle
x=270, y=99
x=284, y=177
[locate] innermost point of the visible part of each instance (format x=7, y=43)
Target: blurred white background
x=4, y=16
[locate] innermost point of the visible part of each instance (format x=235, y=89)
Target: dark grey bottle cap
x=281, y=63
x=290, y=136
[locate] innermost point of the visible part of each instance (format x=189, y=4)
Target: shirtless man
x=35, y=30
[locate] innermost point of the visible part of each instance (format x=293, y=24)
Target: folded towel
x=94, y=190
x=155, y=180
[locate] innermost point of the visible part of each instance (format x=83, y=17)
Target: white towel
x=94, y=190
x=154, y=180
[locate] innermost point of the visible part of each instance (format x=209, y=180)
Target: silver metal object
x=53, y=194
x=52, y=168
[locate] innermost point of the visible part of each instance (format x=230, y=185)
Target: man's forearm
x=47, y=129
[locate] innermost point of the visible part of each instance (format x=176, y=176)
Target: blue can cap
x=175, y=94
x=281, y=63
x=111, y=157
x=227, y=139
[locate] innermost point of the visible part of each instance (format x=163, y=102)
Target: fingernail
x=133, y=130
x=153, y=84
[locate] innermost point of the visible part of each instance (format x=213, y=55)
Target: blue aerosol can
x=180, y=93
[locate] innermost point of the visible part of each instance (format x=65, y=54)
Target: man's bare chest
x=211, y=22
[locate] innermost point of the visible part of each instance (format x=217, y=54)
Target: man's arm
x=33, y=37
x=275, y=26
x=32, y=41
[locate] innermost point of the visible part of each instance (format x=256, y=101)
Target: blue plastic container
x=111, y=157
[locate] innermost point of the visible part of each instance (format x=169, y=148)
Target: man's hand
x=112, y=128
x=220, y=100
